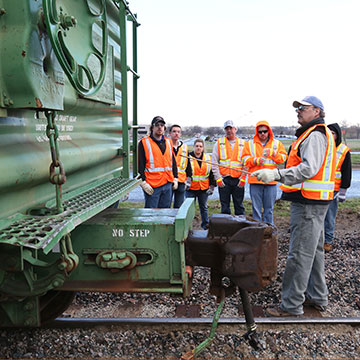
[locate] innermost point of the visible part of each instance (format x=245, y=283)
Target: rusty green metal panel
x=93, y=133
x=71, y=23
x=148, y=234
x=30, y=75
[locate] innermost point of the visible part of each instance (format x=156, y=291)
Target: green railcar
x=65, y=160
x=65, y=164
